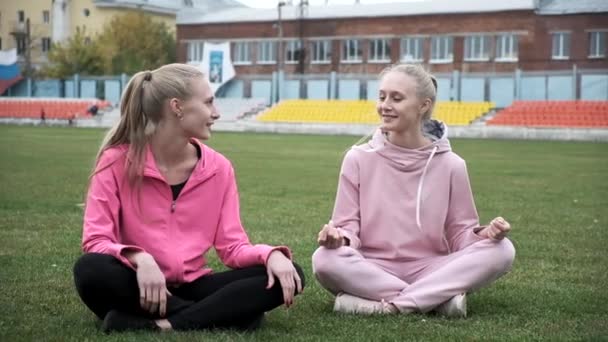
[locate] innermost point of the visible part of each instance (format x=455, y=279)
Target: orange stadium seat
x=554, y=114
x=53, y=108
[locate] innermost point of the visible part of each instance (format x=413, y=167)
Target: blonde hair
x=141, y=109
x=426, y=87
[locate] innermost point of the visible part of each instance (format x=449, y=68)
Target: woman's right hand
x=152, y=283
x=330, y=237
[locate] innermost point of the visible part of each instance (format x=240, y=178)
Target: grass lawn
x=555, y=194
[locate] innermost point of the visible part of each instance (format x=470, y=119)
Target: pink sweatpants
x=418, y=285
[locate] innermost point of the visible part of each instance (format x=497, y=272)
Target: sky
x=272, y=3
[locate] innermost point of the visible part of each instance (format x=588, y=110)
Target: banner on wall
x=217, y=64
x=10, y=73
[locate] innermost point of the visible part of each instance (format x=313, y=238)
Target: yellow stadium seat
x=364, y=112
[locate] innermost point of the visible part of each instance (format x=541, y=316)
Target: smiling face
x=199, y=111
x=399, y=105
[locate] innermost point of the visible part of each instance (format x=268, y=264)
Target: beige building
x=56, y=20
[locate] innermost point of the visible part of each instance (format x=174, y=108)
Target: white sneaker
x=455, y=307
x=356, y=305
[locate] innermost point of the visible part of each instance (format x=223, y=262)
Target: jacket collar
x=204, y=169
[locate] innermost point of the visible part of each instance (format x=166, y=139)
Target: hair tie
x=434, y=82
x=148, y=75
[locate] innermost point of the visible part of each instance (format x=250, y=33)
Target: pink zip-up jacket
x=401, y=204
x=177, y=233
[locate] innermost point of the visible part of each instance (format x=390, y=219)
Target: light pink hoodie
x=400, y=204
x=176, y=233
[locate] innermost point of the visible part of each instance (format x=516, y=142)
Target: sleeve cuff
x=478, y=230
x=283, y=249
x=354, y=241
x=118, y=251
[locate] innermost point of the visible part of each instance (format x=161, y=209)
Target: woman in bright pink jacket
x=158, y=200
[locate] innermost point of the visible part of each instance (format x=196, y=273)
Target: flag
x=9, y=70
x=217, y=64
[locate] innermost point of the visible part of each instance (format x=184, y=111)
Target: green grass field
x=555, y=194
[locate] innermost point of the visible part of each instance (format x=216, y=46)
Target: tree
x=76, y=55
x=133, y=42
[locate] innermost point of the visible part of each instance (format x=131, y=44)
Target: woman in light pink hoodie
x=158, y=200
x=405, y=236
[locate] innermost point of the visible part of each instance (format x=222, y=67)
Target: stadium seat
x=579, y=113
x=232, y=109
x=364, y=112
x=54, y=108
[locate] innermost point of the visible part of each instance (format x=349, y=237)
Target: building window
x=20, y=44
x=241, y=53
x=411, y=49
x=20, y=16
x=597, y=44
x=195, y=51
x=46, y=44
x=441, y=49
x=267, y=52
x=506, y=47
x=86, y=12
x=87, y=40
x=380, y=50
x=561, y=45
x=0, y=43
x=188, y=3
x=351, y=51
x=293, y=51
x=46, y=17
x=321, y=51
x=476, y=48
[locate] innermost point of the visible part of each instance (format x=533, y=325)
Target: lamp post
x=280, y=52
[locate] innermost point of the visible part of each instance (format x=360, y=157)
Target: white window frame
x=561, y=38
x=195, y=51
x=379, y=50
x=347, y=46
x=445, y=44
x=267, y=52
x=596, y=40
x=507, y=49
x=412, y=49
x=291, y=49
x=242, y=53
x=46, y=16
x=320, y=51
x=477, y=48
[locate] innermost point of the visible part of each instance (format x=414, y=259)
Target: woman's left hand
x=279, y=266
x=497, y=229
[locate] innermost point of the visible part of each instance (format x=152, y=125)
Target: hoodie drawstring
x=419, y=194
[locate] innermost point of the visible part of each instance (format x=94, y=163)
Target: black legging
x=231, y=299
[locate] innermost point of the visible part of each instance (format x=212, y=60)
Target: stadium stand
x=461, y=113
x=553, y=114
x=364, y=112
x=322, y=111
x=53, y=108
x=232, y=109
